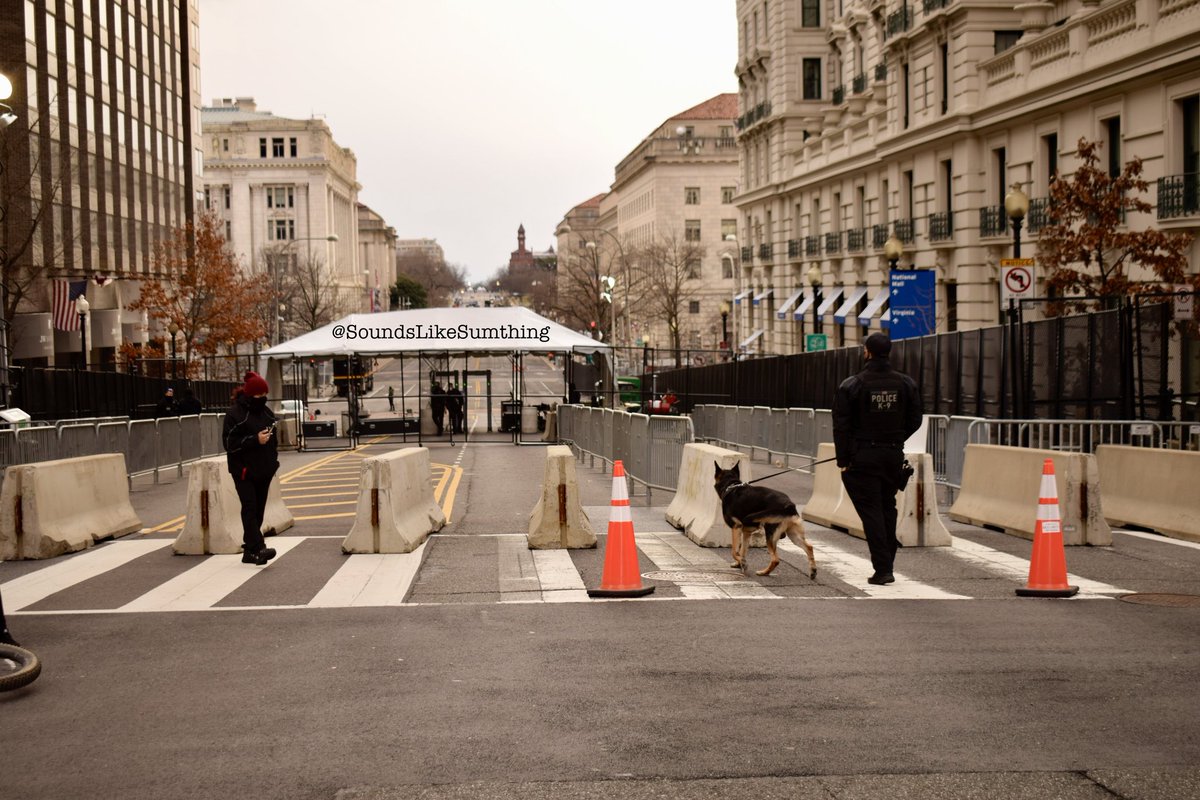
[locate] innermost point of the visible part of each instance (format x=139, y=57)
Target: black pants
x=252, y=492
x=871, y=484
x=439, y=418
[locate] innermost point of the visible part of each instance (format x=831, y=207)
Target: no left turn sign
x=1017, y=280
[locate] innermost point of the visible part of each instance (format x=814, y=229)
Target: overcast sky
x=470, y=117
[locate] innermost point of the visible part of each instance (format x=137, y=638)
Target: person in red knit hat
x=252, y=452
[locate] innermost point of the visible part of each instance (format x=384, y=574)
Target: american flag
x=63, y=304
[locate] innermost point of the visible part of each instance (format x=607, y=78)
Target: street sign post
x=1185, y=303
x=816, y=341
x=1016, y=279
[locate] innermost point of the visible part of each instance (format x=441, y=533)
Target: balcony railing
x=899, y=21
x=812, y=245
x=1039, y=214
x=856, y=240
x=833, y=242
x=794, y=248
x=941, y=226
x=905, y=230
x=931, y=6
x=839, y=95
x=747, y=254
x=992, y=221
x=881, y=71
x=859, y=84
x=766, y=252
x=1179, y=196
x=879, y=234
x=753, y=115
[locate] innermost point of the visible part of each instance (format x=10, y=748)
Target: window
x=947, y=187
x=227, y=192
x=951, y=306
x=1004, y=40
x=810, y=13
x=727, y=268
x=906, y=186
x=1001, y=161
x=728, y=228
x=281, y=230
x=904, y=92
x=208, y=198
x=692, y=269
x=292, y=146
x=1050, y=154
x=262, y=148
x=812, y=78
x=725, y=132
x=1189, y=109
x=1112, y=135
x=225, y=145
x=280, y=197
x=693, y=306
x=691, y=230
x=691, y=195
x=944, y=53
x=277, y=147
x=228, y=230
x=727, y=193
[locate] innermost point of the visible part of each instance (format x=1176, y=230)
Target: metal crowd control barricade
x=667, y=437
x=37, y=444
x=777, y=433
x=190, y=447
x=745, y=426
x=168, y=451
x=142, y=456
x=621, y=432
x=760, y=429
x=113, y=437
x=10, y=449
x=800, y=433
x=1073, y=436
x=824, y=427
x=210, y=434
x=76, y=440
x=639, y=456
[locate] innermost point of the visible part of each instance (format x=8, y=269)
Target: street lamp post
x=173, y=329
x=81, y=308
x=725, y=325
x=1016, y=206
x=814, y=280
x=6, y=118
x=737, y=286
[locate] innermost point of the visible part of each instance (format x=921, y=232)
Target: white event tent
x=438, y=330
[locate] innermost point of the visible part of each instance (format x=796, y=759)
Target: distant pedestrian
x=874, y=413
x=437, y=405
x=392, y=399
x=166, y=406
x=454, y=404
x=188, y=403
x=253, y=456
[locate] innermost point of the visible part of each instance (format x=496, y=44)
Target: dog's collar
x=731, y=487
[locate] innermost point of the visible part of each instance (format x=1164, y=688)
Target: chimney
x=246, y=104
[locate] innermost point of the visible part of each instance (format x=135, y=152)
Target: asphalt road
x=817, y=689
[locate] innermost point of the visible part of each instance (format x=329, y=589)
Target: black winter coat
x=247, y=458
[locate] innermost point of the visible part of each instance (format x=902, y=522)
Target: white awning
x=852, y=300
x=830, y=301
x=781, y=312
x=758, y=298
x=805, y=305
x=886, y=320
x=751, y=339
x=873, y=307
x=737, y=298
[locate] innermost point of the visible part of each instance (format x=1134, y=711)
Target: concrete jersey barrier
x=918, y=523
x=396, y=510
x=558, y=520
x=1151, y=488
x=56, y=507
x=696, y=508
x=1000, y=487
x=214, y=523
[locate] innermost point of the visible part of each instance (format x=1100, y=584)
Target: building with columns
x=864, y=119
x=284, y=186
x=99, y=167
x=377, y=256
x=675, y=189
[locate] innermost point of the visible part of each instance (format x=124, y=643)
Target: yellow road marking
x=323, y=505
x=326, y=516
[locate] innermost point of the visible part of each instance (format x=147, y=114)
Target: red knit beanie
x=255, y=384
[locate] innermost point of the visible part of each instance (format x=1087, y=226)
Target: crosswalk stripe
x=853, y=569
x=516, y=570
x=1158, y=537
x=560, y=580
x=371, y=579
x=205, y=584
x=1017, y=568
x=674, y=551
x=29, y=589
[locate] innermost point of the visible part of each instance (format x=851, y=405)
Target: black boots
x=260, y=558
x=881, y=580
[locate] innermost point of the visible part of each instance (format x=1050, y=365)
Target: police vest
x=881, y=400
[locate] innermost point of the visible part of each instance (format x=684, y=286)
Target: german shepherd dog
x=747, y=508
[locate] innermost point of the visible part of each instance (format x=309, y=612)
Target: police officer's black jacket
x=247, y=458
x=878, y=407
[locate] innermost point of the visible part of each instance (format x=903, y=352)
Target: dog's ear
x=737, y=471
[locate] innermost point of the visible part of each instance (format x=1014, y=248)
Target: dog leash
x=772, y=475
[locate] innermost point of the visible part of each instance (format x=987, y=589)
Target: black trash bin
x=510, y=416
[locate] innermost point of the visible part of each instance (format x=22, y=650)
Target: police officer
x=874, y=412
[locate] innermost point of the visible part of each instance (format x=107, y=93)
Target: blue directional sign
x=913, y=303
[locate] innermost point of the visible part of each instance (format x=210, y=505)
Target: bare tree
x=537, y=285
x=579, y=300
x=440, y=279
x=671, y=268
x=311, y=294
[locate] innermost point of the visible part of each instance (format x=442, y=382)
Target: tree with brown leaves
x=201, y=291
x=1087, y=249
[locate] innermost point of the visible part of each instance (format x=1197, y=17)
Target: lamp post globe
x=1016, y=206
x=81, y=308
x=893, y=249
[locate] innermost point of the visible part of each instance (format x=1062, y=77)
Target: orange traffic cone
x=621, y=577
x=1048, y=566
